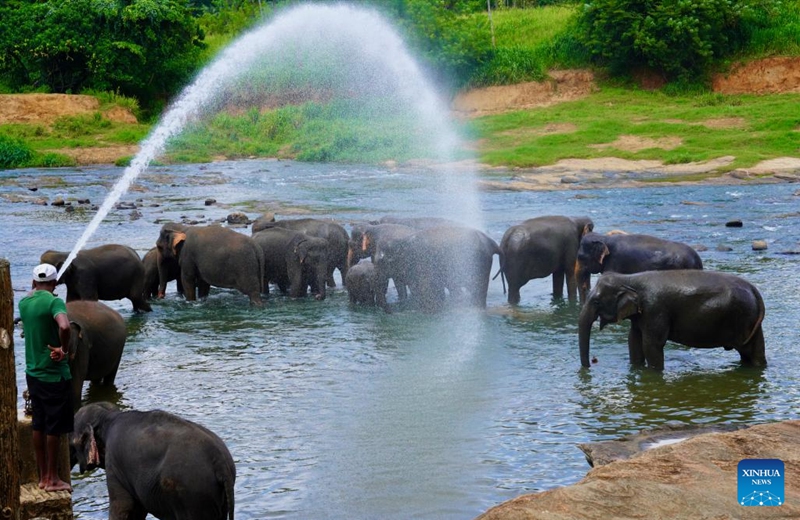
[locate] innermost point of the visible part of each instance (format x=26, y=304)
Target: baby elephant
x=360, y=282
x=691, y=307
x=155, y=463
x=97, y=339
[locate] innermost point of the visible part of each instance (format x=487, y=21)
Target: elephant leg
x=121, y=505
x=139, y=303
x=558, y=284
x=572, y=282
x=203, y=288
x=653, y=349
x=635, y=349
x=189, y=287
x=752, y=353
x=108, y=380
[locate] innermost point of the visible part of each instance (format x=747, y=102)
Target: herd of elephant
x=659, y=285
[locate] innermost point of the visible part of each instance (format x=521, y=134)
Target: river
x=332, y=411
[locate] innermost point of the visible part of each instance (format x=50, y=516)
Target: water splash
x=363, y=54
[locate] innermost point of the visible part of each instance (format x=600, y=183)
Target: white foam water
x=362, y=39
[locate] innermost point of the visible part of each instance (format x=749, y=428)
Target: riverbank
x=694, y=478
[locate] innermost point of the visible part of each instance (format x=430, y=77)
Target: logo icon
x=761, y=482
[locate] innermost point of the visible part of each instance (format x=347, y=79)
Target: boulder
x=759, y=245
x=734, y=223
x=695, y=478
x=238, y=218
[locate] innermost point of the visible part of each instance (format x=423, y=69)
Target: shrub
x=679, y=38
x=142, y=48
x=14, y=153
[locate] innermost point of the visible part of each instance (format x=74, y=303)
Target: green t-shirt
x=38, y=312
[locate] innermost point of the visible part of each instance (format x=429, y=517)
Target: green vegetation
x=339, y=131
x=750, y=128
x=137, y=54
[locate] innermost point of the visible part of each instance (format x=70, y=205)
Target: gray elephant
x=540, y=247
x=327, y=229
x=294, y=261
x=96, y=344
x=361, y=283
x=109, y=272
x=155, y=463
x=365, y=242
x=453, y=259
x=154, y=266
x=212, y=255
x=691, y=307
x=628, y=254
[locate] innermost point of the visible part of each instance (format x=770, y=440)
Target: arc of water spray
x=318, y=24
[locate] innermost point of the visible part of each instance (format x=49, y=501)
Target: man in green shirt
x=45, y=324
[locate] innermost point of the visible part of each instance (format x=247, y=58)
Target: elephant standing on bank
x=154, y=266
x=366, y=241
x=96, y=343
x=109, y=272
x=628, y=254
x=212, y=255
x=326, y=229
x=691, y=307
x=431, y=260
x=542, y=246
x=294, y=261
x=155, y=463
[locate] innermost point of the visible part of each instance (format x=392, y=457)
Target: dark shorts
x=52, y=406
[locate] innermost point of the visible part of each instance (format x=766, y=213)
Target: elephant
x=294, y=261
x=156, y=463
x=97, y=339
x=212, y=255
x=361, y=283
x=542, y=246
x=695, y=308
x=628, y=254
x=365, y=242
x=153, y=285
x=108, y=272
x=431, y=260
x=335, y=234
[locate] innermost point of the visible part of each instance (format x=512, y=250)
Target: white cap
x=44, y=273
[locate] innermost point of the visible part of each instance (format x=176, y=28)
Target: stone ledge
x=695, y=478
x=37, y=503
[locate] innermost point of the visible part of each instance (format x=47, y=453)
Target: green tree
x=142, y=48
x=680, y=38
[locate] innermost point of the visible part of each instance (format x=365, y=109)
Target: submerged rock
x=734, y=223
x=759, y=245
x=695, y=478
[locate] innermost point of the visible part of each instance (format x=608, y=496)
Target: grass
x=765, y=127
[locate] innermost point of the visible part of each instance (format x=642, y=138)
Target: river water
x=339, y=412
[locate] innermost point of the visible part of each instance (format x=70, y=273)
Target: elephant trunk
x=587, y=318
x=584, y=280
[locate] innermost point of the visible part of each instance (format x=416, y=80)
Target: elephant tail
x=501, y=270
x=761, y=312
x=229, y=497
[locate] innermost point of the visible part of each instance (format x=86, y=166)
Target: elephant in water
x=435, y=260
x=361, y=283
x=96, y=343
x=327, y=229
x=294, y=261
x=366, y=241
x=155, y=463
x=213, y=255
x=691, y=307
x=628, y=254
x=109, y=272
x=541, y=247
x=155, y=267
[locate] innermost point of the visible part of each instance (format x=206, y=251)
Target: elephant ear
x=178, y=238
x=365, y=242
x=588, y=228
x=598, y=251
x=627, y=304
x=301, y=250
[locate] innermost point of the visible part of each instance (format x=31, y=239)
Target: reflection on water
x=333, y=411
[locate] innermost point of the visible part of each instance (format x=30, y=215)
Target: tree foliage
x=680, y=38
x=141, y=48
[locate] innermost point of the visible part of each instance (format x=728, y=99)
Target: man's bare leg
x=54, y=482
x=41, y=461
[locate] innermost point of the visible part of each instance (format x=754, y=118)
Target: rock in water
x=695, y=478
